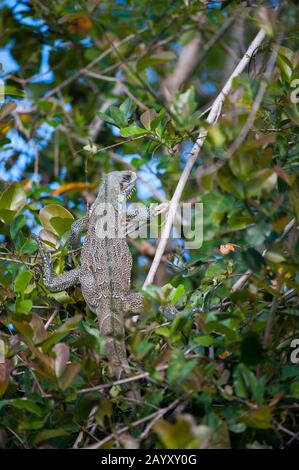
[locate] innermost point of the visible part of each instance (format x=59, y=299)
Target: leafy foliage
x=220, y=374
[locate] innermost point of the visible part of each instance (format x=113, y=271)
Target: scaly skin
x=105, y=267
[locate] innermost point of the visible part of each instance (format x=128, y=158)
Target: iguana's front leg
x=141, y=215
x=134, y=302
x=145, y=213
x=77, y=227
x=51, y=281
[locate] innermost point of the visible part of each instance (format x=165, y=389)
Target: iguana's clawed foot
x=44, y=254
x=134, y=303
x=163, y=207
x=51, y=282
x=169, y=311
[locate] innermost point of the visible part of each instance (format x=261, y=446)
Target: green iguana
x=105, y=264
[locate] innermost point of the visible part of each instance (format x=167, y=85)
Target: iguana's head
x=118, y=183
x=127, y=180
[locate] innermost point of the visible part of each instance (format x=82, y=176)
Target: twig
x=211, y=119
x=240, y=282
x=81, y=433
x=244, y=278
x=134, y=378
x=255, y=106
x=48, y=323
x=91, y=64
x=150, y=417
x=158, y=416
x=17, y=436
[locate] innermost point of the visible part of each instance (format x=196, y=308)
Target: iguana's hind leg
x=134, y=303
x=51, y=281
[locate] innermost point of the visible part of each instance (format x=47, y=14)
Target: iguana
x=105, y=264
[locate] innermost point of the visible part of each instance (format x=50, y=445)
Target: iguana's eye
x=127, y=177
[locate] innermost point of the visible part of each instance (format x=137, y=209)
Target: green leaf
x=204, y=340
x=285, y=61
x=23, y=404
x=274, y=257
x=259, y=391
x=237, y=427
x=180, y=368
x=262, y=181
x=228, y=182
x=61, y=297
x=184, y=103
x=173, y=294
x=23, y=306
x=241, y=165
x=62, y=331
x=47, y=434
x=257, y=234
x=14, y=91
x=240, y=383
x=132, y=131
x=220, y=328
x=126, y=108
x=55, y=218
x=22, y=280
x=163, y=331
x=289, y=371
x=118, y=116
x=215, y=271
x=155, y=59
x=61, y=225
x=294, y=389
x=251, y=349
x=178, y=325
x=16, y=225
x=12, y=200
x=99, y=339
x=260, y=418
x=105, y=410
x=105, y=117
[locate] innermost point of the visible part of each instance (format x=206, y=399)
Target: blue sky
x=19, y=145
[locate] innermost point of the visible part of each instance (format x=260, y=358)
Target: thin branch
x=134, y=378
x=255, y=106
x=211, y=119
x=156, y=415
x=52, y=317
x=244, y=278
x=91, y=64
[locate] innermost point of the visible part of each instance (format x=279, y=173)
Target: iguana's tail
x=111, y=326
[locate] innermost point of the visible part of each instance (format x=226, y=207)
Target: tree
x=200, y=99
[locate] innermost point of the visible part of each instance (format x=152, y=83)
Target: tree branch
x=154, y=416
x=211, y=119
